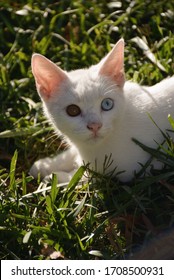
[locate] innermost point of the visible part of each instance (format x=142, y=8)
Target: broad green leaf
x=171, y=120
x=49, y=205
x=54, y=188
x=76, y=178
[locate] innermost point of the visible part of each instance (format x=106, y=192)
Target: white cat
x=99, y=114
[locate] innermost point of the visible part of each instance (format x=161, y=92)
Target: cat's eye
x=107, y=104
x=73, y=110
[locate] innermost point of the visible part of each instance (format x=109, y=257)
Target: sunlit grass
x=101, y=217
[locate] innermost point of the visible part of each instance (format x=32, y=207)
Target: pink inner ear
x=48, y=76
x=113, y=65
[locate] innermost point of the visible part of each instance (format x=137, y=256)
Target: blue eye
x=107, y=104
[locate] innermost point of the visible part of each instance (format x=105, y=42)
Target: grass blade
x=12, y=171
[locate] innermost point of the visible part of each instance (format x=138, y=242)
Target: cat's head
x=84, y=104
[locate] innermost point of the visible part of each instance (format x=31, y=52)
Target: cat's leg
x=62, y=176
x=64, y=165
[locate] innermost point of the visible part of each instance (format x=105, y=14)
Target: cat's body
x=100, y=113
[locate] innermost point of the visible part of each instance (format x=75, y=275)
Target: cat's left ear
x=113, y=65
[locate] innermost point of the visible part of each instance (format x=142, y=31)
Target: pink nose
x=94, y=127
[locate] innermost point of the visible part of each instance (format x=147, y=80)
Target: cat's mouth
x=95, y=137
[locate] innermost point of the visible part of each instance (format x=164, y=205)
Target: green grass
x=100, y=218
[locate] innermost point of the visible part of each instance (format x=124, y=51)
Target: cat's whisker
x=107, y=88
x=53, y=136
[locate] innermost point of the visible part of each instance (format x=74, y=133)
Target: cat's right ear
x=113, y=64
x=48, y=76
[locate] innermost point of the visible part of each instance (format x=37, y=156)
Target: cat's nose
x=94, y=127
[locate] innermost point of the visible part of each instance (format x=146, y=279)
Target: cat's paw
x=45, y=167
x=41, y=167
x=62, y=176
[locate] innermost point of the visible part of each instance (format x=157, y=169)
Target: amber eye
x=73, y=110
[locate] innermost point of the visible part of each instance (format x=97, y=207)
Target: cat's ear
x=113, y=64
x=48, y=76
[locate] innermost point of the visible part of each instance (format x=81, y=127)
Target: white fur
x=126, y=120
